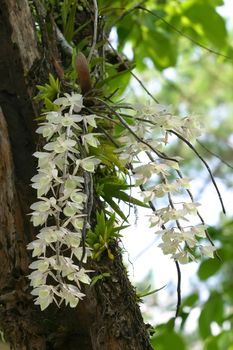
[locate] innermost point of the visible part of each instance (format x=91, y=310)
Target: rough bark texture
x=109, y=317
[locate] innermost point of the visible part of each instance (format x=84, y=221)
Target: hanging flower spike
x=61, y=182
x=178, y=240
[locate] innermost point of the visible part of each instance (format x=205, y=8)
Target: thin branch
x=123, y=122
x=178, y=289
x=88, y=188
x=108, y=136
x=134, y=75
x=206, y=165
x=104, y=117
x=215, y=155
x=145, y=249
x=178, y=31
x=94, y=30
x=183, y=34
x=127, y=12
x=199, y=156
x=88, y=183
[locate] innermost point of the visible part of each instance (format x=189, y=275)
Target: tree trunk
x=108, y=317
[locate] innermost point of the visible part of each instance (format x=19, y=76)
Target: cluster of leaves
x=153, y=30
x=156, y=30
x=104, y=233
x=64, y=185
x=48, y=93
x=114, y=188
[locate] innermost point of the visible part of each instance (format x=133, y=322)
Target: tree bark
x=109, y=317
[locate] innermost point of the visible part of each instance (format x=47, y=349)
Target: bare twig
x=108, y=136
x=134, y=75
x=88, y=188
x=178, y=31
x=178, y=288
x=215, y=155
x=88, y=184
x=126, y=13
x=139, y=139
x=199, y=156
x=94, y=30
x=206, y=165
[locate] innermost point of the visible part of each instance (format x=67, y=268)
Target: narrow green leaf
x=100, y=277
x=128, y=199
x=115, y=207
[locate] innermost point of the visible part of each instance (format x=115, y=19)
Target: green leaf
x=100, y=221
x=54, y=83
x=117, y=75
x=70, y=22
x=183, y=315
x=100, y=277
x=211, y=343
x=166, y=339
x=208, y=268
x=190, y=300
x=123, y=196
x=211, y=22
x=225, y=340
x=216, y=2
x=115, y=207
x=147, y=291
x=113, y=183
x=49, y=106
x=159, y=46
x=211, y=311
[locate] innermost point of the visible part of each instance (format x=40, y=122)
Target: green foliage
x=213, y=29
x=100, y=277
x=104, y=233
x=209, y=268
x=48, y=93
x=112, y=186
x=115, y=77
x=106, y=153
x=212, y=311
x=147, y=291
x=68, y=12
x=155, y=30
x=165, y=338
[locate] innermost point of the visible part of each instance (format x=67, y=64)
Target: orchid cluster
x=64, y=185
x=64, y=168
x=160, y=178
